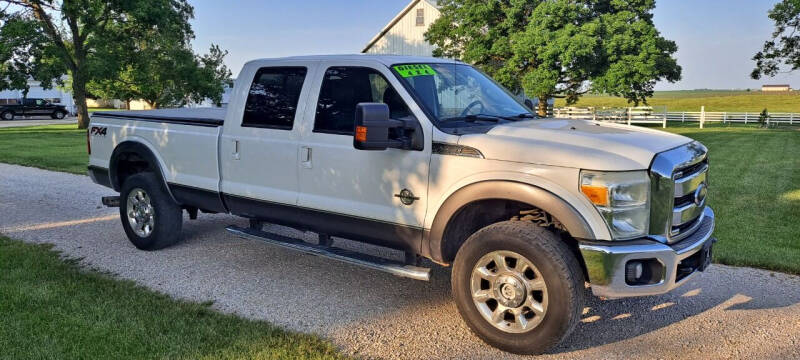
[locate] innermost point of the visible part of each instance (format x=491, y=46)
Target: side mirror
x=374, y=130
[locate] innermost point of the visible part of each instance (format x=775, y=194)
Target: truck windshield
x=459, y=95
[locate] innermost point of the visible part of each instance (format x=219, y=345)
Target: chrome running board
x=395, y=268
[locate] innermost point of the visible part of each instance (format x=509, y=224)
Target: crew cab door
x=37, y=107
x=357, y=192
x=29, y=107
x=258, y=146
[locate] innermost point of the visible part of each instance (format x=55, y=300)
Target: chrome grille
x=687, y=210
x=678, y=180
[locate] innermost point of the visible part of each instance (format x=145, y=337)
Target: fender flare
x=143, y=151
x=576, y=224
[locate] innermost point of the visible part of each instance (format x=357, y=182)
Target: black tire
x=58, y=115
x=558, y=267
x=7, y=115
x=167, y=215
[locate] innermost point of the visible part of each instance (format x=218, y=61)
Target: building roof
x=387, y=60
x=775, y=86
x=396, y=19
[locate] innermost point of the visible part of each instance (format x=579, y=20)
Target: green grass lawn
x=713, y=100
x=54, y=309
x=53, y=147
x=754, y=188
x=755, y=183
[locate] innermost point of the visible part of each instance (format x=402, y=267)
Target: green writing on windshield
x=412, y=70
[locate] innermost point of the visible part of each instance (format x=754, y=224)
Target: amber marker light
x=361, y=133
x=598, y=195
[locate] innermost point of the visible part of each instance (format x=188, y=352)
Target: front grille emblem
x=700, y=194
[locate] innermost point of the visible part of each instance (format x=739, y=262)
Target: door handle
x=305, y=156
x=235, y=154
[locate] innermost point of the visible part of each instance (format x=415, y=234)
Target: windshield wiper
x=523, y=116
x=474, y=117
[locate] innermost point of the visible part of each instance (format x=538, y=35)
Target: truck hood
x=580, y=144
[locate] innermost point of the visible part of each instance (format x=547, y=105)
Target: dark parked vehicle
x=33, y=107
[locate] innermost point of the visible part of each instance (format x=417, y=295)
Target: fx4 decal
x=97, y=130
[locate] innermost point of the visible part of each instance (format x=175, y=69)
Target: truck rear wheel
x=518, y=287
x=151, y=219
x=7, y=115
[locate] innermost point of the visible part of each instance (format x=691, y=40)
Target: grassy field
x=754, y=188
x=713, y=100
x=754, y=183
x=91, y=110
x=54, y=309
x=54, y=147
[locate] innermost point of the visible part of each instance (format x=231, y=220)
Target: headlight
x=623, y=198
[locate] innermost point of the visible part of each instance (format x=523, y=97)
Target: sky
x=716, y=38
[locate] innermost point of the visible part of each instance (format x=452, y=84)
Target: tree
x=559, y=47
x=160, y=67
x=77, y=32
x=168, y=77
x=783, y=50
x=23, y=57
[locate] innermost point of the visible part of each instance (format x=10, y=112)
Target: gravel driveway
x=727, y=312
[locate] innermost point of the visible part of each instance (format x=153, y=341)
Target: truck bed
x=184, y=142
x=198, y=116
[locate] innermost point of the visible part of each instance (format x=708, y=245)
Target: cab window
x=273, y=97
x=345, y=87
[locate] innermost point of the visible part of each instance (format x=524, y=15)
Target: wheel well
x=478, y=214
x=130, y=163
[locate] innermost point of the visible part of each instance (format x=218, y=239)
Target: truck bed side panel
x=187, y=154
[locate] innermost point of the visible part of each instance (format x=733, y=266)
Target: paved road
x=18, y=122
x=727, y=313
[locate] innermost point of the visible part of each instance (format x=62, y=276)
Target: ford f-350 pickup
x=433, y=158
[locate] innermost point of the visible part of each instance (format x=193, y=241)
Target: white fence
x=656, y=115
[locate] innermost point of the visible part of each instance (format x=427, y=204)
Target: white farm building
x=405, y=34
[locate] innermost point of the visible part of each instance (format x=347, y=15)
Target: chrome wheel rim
x=8, y=116
x=509, y=291
x=59, y=115
x=141, y=215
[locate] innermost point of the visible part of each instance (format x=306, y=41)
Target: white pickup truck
x=433, y=158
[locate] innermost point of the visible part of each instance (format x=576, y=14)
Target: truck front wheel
x=7, y=115
x=151, y=219
x=518, y=287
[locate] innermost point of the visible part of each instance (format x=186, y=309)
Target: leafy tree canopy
x=24, y=56
x=783, y=50
x=98, y=42
x=559, y=47
x=161, y=68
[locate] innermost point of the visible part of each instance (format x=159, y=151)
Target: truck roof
x=387, y=60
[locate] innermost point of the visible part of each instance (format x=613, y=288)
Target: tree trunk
x=541, y=109
x=79, y=95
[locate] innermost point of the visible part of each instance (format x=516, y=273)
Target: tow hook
x=111, y=201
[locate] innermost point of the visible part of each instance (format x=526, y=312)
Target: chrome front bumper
x=606, y=262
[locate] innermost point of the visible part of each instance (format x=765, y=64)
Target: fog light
x=633, y=272
x=644, y=272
